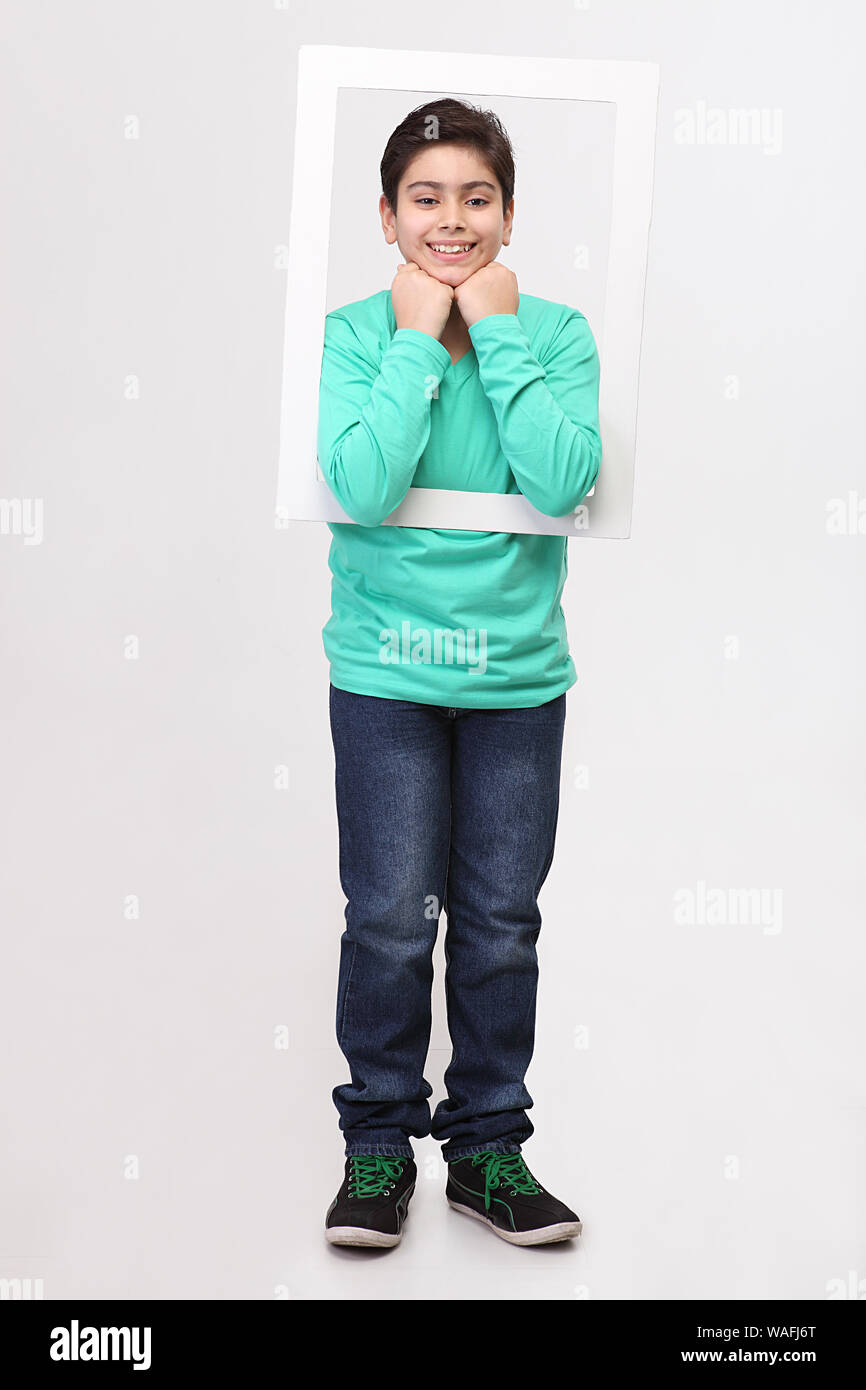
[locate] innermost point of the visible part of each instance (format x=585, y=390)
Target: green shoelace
x=506, y=1170
x=371, y=1175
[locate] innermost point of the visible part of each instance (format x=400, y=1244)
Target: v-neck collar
x=455, y=371
x=463, y=367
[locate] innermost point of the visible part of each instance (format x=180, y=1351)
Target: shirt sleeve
x=546, y=411
x=374, y=417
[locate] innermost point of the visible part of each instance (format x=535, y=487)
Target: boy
x=449, y=664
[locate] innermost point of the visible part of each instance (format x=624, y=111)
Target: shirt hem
x=452, y=701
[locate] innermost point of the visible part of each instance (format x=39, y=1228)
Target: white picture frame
x=302, y=492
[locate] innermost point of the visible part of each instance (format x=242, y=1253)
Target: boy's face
x=448, y=195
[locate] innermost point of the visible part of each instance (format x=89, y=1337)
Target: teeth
x=452, y=250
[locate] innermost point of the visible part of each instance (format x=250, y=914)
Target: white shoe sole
x=359, y=1235
x=544, y=1235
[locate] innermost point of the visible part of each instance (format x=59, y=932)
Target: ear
x=508, y=222
x=388, y=220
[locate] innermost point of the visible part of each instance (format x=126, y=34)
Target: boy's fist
x=420, y=300
x=491, y=290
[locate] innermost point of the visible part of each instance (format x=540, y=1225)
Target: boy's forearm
x=374, y=425
x=547, y=417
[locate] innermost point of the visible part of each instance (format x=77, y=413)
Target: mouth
x=451, y=250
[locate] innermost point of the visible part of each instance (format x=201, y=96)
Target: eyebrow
x=431, y=183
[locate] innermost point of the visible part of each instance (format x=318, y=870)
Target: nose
x=455, y=219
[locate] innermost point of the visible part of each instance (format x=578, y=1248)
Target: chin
x=450, y=274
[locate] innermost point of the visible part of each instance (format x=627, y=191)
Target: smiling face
x=448, y=197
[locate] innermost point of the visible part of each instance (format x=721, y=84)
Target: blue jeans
x=440, y=808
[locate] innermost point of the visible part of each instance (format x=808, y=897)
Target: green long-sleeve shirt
x=450, y=617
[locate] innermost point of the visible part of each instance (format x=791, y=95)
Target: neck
x=455, y=330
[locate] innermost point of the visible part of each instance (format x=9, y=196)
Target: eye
x=427, y=199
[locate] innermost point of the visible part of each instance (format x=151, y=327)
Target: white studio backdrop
x=171, y=900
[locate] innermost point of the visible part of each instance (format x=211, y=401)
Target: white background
x=712, y=1135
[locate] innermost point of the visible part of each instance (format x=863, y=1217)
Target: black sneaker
x=373, y=1201
x=500, y=1190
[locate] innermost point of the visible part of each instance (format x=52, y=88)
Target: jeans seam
x=346, y=996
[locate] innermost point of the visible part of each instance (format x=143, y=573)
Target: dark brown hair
x=453, y=123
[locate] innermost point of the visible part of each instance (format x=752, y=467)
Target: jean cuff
x=496, y=1146
x=380, y=1150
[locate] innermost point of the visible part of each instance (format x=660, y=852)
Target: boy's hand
x=490, y=290
x=420, y=300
